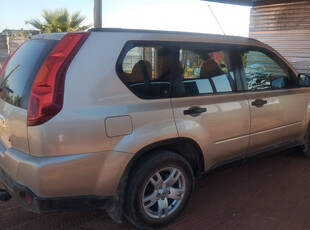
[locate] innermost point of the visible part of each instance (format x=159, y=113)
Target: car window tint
x=263, y=72
x=146, y=70
x=19, y=73
x=205, y=71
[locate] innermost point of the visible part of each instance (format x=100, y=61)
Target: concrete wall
x=4, y=49
x=8, y=45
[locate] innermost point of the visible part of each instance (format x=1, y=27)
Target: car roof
x=216, y=37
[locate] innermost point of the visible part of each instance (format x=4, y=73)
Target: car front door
x=277, y=107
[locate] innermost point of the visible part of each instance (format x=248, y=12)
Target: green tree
x=59, y=20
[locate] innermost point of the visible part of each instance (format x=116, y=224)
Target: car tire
x=159, y=188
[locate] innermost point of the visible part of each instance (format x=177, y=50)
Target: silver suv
x=126, y=119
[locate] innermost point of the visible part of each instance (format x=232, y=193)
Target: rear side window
x=205, y=70
x=19, y=73
x=263, y=72
x=146, y=69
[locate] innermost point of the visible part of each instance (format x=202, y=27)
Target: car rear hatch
x=16, y=80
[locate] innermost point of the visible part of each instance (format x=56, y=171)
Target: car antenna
x=216, y=19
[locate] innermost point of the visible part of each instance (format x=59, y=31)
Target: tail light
x=46, y=96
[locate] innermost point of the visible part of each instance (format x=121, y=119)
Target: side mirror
x=303, y=80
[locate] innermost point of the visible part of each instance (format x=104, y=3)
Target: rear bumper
x=32, y=202
x=61, y=183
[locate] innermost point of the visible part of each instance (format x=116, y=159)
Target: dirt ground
x=270, y=192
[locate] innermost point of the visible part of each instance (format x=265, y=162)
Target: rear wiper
x=2, y=87
x=6, y=88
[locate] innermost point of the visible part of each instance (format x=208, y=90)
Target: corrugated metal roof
x=285, y=27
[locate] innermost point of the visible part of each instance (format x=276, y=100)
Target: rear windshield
x=18, y=75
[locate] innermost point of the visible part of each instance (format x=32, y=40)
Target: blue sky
x=179, y=15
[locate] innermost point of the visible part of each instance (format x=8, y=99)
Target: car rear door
x=277, y=107
x=208, y=106
x=16, y=80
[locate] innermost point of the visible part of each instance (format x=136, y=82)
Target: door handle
x=259, y=102
x=194, y=110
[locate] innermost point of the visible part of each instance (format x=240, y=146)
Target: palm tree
x=59, y=20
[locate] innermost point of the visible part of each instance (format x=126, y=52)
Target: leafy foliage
x=59, y=20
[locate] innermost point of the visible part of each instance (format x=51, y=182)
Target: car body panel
x=13, y=127
x=86, y=106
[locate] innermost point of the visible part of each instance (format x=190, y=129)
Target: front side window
x=146, y=70
x=263, y=72
x=205, y=71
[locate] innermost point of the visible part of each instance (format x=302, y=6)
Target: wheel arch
x=185, y=147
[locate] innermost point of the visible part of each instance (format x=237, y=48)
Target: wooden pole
x=97, y=13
